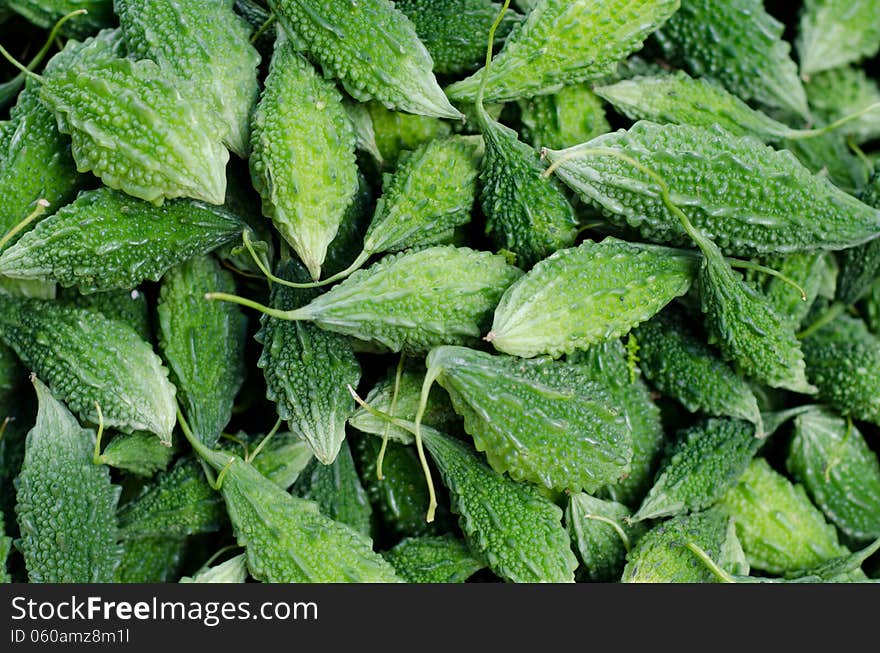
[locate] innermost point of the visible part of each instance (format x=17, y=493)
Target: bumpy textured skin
x=742, y=323
x=402, y=494
x=543, y=421
x=141, y=454
x=833, y=33
x=706, y=461
x=337, y=490
x=843, y=361
x=662, y=556
x=510, y=525
x=678, y=363
x=150, y=560
x=130, y=125
x=526, y=213
x=35, y=161
x=454, y=31
x=66, y=505
x=840, y=92
x=738, y=44
x=371, y=47
x=681, y=99
x=303, y=155
x=179, y=503
x=85, y=357
x=563, y=42
x=780, y=529
x=438, y=559
x=46, y=13
x=107, y=240
x=416, y=300
x=128, y=306
x=287, y=539
x=840, y=472
x=573, y=115
x=430, y=193
x=607, y=363
x=283, y=459
x=214, y=58
x=203, y=344
x=438, y=411
x=599, y=546
x=397, y=131
x=307, y=370
x=747, y=197
x=580, y=296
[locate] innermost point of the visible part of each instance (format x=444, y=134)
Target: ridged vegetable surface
x=390, y=64
x=287, y=539
x=203, y=344
x=843, y=362
x=35, y=161
x=543, y=421
x=214, y=58
x=738, y=44
x=562, y=42
x=417, y=299
x=661, y=555
x=780, y=529
x=832, y=460
x=66, y=505
x=609, y=364
x=516, y=530
x=678, y=362
x=107, y=240
x=438, y=559
x=130, y=125
x=178, y=504
x=580, y=296
x=307, y=371
x=302, y=161
x=86, y=358
x=747, y=197
x=526, y=213
x=706, y=460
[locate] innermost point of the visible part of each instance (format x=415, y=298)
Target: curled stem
x=262, y=308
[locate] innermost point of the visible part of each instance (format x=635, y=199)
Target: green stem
x=387, y=432
x=241, y=301
x=358, y=262
x=801, y=134
x=42, y=205
x=757, y=267
x=484, y=78
x=264, y=441
x=713, y=566
x=617, y=528
x=416, y=430
x=262, y=29
x=833, y=312
x=97, y=459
